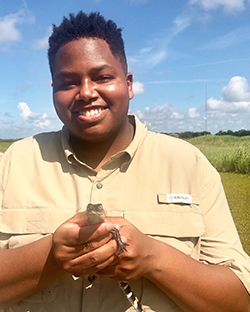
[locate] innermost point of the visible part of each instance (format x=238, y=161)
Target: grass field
x=4, y=144
x=237, y=189
x=229, y=155
x=226, y=153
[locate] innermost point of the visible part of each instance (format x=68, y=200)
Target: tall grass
x=237, y=189
x=4, y=144
x=226, y=153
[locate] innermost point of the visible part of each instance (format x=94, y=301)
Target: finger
x=70, y=234
x=82, y=249
x=109, y=270
x=93, y=232
x=94, y=260
x=79, y=271
x=118, y=220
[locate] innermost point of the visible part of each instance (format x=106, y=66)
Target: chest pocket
x=19, y=227
x=180, y=226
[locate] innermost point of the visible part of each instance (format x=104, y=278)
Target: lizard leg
x=122, y=246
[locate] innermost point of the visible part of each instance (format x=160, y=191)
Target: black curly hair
x=82, y=25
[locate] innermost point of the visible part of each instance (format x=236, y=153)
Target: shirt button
x=99, y=185
x=91, y=278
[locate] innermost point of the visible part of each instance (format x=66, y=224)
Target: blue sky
x=181, y=52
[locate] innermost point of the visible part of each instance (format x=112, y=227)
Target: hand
x=81, y=249
x=134, y=263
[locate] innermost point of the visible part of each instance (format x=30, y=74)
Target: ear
x=129, y=79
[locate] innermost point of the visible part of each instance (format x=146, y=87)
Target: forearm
x=26, y=269
x=195, y=286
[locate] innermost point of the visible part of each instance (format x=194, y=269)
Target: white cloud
x=8, y=25
x=237, y=90
x=25, y=110
x=181, y=22
x=150, y=56
x=229, y=6
x=235, y=97
x=232, y=112
x=192, y=112
x=166, y=118
x=8, y=30
x=37, y=119
x=157, y=49
x=42, y=43
x=138, y=88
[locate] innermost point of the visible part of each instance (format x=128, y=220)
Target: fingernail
x=117, y=226
x=124, y=239
x=109, y=226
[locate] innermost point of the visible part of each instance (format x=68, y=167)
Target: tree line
x=185, y=135
x=190, y=134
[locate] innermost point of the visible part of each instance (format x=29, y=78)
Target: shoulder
x=39, y=139
x=31, y=147
x=161, y=144
x=166, y=144
x=171, y=154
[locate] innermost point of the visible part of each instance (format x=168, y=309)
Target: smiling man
x=91, y=92
x=167, y=201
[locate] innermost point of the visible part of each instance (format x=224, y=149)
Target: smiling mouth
x=91, y=112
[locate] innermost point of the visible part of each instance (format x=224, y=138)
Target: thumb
x=79, y=218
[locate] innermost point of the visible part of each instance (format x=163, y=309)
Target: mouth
x=91, y=112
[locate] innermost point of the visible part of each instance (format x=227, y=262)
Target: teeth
x=91, y=112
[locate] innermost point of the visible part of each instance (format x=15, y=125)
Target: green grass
x=4, y=144
x=237, y=189
x=226, y=153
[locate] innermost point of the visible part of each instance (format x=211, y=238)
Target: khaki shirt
x=163, y=185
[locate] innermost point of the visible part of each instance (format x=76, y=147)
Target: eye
x=65, y=85
x=103, y=79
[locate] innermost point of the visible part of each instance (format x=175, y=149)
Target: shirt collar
x=124, y=156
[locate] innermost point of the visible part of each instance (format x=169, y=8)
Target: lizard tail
x=134, y=301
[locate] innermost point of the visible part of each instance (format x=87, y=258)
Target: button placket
x=97, y=191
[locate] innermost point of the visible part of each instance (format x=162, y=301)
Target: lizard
x=96, y=214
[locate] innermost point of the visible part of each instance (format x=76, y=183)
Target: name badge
x=179, y=199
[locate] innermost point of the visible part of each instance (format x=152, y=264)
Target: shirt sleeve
x=220, y=243
x=4, y=169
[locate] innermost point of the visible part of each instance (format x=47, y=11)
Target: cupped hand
x=81, y=249
x=137, y=261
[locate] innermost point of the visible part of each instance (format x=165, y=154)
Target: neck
x=96, y=154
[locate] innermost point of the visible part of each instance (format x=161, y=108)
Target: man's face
x=91, y=92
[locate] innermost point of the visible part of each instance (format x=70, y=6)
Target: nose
x=87, y=91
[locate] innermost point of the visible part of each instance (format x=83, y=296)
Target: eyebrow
x=100, y=68
x=65, y=74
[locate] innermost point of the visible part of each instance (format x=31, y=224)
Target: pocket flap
x=32, y=221
x=167, y=223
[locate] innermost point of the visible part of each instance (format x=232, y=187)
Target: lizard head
x=95, y=213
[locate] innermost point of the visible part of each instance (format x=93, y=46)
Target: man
x=183, y=251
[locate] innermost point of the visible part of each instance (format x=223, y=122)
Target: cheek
x=62, y=99
x=116, y=94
